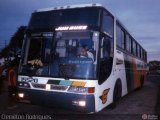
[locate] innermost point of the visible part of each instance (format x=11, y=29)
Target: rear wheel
x=141, y=81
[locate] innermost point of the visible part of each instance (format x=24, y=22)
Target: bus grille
x=53, y=87
x=41, y=86
x=59, y=87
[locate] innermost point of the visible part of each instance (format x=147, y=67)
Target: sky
x=140, y=17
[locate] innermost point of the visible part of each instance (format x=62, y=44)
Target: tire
x=117, y=94
x=141, y=81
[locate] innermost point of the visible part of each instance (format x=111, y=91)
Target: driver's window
x=105, y=60
x=35, y=49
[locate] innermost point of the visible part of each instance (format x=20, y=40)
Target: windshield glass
x=48, y=19
x=36, y=56
x=75, y=55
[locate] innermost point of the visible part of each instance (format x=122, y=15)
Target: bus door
x=106, y=58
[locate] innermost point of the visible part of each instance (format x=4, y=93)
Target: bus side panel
x=134, y=71
x=104, y=98
x=129, y=72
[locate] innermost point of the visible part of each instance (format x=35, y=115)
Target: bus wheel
x=141, y=81
x=117, y=94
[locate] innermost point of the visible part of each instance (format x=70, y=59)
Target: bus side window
x=105, y=67
x=106, y=48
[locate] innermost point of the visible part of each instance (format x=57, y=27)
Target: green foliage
x=154, y=65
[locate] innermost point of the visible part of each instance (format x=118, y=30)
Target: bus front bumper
x=78, y=102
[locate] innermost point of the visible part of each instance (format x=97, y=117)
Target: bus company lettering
x=29, y=79
x=79, y=62
x=71, y=28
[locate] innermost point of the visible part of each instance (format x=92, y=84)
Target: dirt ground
x=144, y=102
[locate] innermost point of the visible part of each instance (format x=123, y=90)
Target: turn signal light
x=91, y=89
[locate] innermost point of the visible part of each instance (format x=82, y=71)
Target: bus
x=79, y=57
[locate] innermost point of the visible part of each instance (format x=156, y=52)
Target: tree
x=154, y=65
x=15, y=42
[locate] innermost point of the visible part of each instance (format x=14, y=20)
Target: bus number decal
x=29, y=79
x=104, y=96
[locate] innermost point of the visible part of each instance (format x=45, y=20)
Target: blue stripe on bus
x=64, y=82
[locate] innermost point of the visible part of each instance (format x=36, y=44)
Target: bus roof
x=83, y=6
x=70, y=7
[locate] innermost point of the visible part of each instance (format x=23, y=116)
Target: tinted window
x=142, y=53
x=123, y=39
x=138, y=51
x=134, y=48
x=108, y=23
x=106, y=60
x=145, y=56
x=106, y=48
x=120, y=37
x=49, y=19
x=128, y=43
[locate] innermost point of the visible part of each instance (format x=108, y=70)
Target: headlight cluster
x=23, y=84
x=21, y=95
x=77, y=89
x=79, y=103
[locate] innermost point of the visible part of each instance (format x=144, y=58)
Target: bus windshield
x=75, y=55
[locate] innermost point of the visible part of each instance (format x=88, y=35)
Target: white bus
x=79, y=57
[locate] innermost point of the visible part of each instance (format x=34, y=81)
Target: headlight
x=48, y=86
x=77, y=89
x=24, y=84
x=81, y=103
x=21, y=95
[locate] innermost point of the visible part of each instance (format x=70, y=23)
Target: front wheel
x=117, y=94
